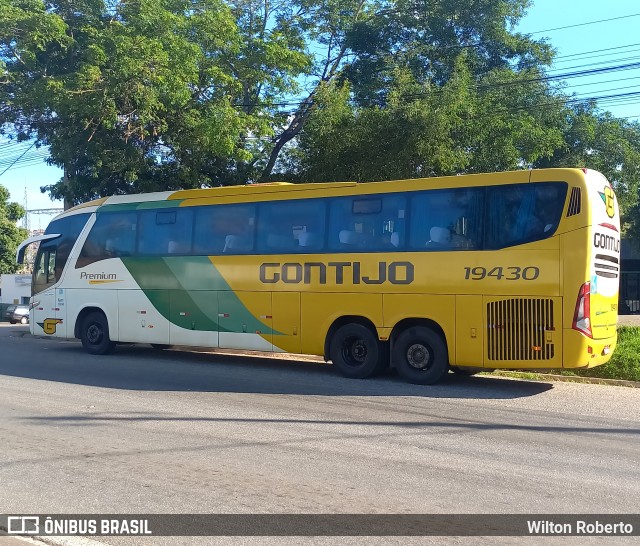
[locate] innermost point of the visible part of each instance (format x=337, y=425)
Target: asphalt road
x=143, y=431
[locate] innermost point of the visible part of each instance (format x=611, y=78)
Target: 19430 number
x=502, y=273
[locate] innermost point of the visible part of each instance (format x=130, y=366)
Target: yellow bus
x=513, y=270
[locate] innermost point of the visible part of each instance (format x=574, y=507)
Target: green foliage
x=150, y=95
x=598, y=141
x=504, y=122
x=10, y=235
x=404, y=139
x=145, y=95
x=625, y=361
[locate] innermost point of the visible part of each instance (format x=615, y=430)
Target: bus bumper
x=582, y=352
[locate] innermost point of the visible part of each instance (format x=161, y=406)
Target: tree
x=405, y=138
x=130, y=97
x=503, y=120
x=596, y=140
x=143, y=95
x=368, y=44
x=10, y=235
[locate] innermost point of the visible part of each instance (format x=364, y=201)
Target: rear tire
x=356, y=351
x=94, y=334
x=420, y=356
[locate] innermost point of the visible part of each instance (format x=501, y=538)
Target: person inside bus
x=440, y=237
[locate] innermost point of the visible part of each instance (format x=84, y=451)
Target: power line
x=585, y=24
x=596, y=51
x=21, y=155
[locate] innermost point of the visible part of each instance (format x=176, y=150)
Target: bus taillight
x=582, y=315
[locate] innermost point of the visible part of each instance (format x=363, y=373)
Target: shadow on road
x=139, y=367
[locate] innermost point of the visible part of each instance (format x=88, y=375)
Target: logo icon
x=23, y=525
x=609, y=199
x=49, y=325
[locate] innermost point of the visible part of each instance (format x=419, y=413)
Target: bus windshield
x=54, y=253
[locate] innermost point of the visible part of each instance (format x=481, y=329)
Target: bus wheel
x=95, y=334
x=420, y=356
x=356, y=351
x=468, y=371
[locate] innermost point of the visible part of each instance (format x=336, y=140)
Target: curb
x=567, y=378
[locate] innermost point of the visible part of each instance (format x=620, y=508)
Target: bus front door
x=46, y=316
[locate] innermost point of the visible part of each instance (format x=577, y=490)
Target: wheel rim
x=354, y=351
x=419, y=356
x=94, y=334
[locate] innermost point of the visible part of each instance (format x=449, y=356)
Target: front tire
x=95, y=334
x=356, y=351
x=24, y=320
x=420, y=356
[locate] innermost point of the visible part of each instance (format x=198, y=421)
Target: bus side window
x=224, y=229
x=113, y=235
x=446, y=219
x=523, y=213
x=291, y=226
x=367, y=223
x=165, y=231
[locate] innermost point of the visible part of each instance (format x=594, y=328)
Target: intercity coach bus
x=515, y=270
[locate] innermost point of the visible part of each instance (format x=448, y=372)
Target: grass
x=625, y=361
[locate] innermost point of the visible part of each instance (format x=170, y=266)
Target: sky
x=587, y=34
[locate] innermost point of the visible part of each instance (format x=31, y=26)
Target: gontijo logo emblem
x=609, y=201
x=49, y=325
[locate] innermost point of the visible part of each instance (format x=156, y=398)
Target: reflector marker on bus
x=610, y=226
x=607, y=274
x=607, y=258
x=223, y=315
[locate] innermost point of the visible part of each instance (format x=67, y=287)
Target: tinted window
x=367, y=223
x=521, y=213
x=69, y=229
x=112, y=236
x=44, y=272
x=166, y=231
x=446, y=219
x=224, y=229
x=291, y=226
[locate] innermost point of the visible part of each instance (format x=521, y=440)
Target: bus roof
x=286, y=190
x=257, y=189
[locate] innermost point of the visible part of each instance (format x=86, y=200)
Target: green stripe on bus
x=193, y=284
